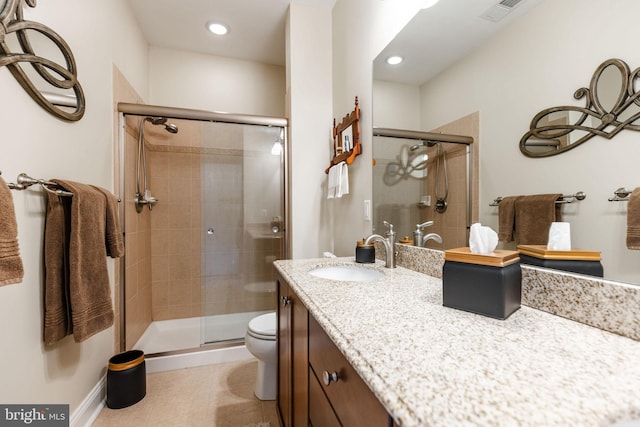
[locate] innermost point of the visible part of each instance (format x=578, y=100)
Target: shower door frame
x=197, y=115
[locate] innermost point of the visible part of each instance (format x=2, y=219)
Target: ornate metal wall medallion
x=13, y=24
x=611, y=104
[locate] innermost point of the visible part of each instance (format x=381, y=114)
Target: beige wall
x=361, y=29
x=309, y=110
x=213, y=83
x=35, y=142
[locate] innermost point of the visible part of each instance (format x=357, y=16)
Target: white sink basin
x=348, y=273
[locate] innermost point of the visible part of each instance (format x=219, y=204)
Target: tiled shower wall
x=174, y=179
x=137, y=245
x=137, y=274
x=211, y=241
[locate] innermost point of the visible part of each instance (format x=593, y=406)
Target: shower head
x=169, y=127
x=423, y=143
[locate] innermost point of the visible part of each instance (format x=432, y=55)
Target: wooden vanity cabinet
x=293, y=357
x=306, y=355
x=353, y=403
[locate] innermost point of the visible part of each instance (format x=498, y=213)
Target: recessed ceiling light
x=217, y=28
x=427, y=4
x=394, y=60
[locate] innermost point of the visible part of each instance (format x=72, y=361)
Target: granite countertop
x=431, y=365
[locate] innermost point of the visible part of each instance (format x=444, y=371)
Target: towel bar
x=24, y=181
x=565, y=198
x=621, y=195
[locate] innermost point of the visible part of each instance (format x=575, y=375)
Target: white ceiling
x=433, y=40
x=257, y=27
x=438, y=37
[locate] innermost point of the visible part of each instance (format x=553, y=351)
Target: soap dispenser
x=417, y=234
x=365, y=252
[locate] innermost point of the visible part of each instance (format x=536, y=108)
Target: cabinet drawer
x=351, y=399
x=320, y=412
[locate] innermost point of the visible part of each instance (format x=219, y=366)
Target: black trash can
x=126, y=379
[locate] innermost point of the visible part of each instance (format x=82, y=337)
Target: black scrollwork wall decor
x=12, y=24
x=611, y=104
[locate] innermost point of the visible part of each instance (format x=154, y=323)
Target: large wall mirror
x=469, y=60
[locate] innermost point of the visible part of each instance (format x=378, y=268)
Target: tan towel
x=534, y=215
x=113, y=234
x=11, y=270
x=507, y=218
x=633, y=220
x=57, y=307
x=77, y=284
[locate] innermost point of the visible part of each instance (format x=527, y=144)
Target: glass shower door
x=241, y=220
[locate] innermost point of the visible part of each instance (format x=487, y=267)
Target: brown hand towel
x=113, y=234
x=633, y=220
x=534, y=215
x=506, y=218
x=88, y=279
x=57, y=307
x=11, y=270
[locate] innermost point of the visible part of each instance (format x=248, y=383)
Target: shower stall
x=204, y=218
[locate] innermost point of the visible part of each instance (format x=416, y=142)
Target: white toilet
x=260, y=340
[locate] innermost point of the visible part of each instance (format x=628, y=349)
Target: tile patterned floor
x=218, y=395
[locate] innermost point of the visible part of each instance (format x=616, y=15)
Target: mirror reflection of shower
x=407, y=200
x=143, y=194
x=441, y=158
x=441, y=201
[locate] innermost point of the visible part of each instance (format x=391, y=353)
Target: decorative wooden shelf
x=346, y=138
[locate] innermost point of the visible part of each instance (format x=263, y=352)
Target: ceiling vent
x=500, y=10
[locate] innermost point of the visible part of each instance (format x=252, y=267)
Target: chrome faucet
x=419, y=239
x=431, y=236
x=389, y=243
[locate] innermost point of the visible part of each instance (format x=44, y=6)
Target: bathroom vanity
x=316, y=384
x=390, y=351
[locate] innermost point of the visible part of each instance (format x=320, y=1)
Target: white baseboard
x=90, y=408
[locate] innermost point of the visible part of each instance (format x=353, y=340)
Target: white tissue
x=559, y=236
x=482, y=240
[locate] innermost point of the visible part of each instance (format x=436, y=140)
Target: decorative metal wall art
x=12, y=24
x=612, y=104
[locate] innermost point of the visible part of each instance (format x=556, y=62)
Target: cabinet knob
x=285, y=301
x=328, y=378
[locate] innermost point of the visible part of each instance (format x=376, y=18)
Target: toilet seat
x=263, y=327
